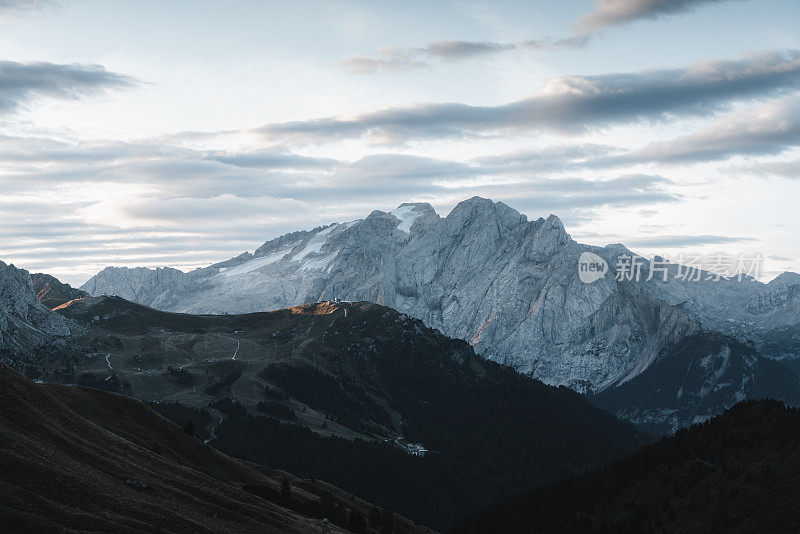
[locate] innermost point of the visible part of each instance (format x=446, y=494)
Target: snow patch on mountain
x=255, y=264
x=314, y=245
x=408, y=215
x=321, y=263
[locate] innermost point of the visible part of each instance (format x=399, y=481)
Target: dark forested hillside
x=737, y=472
x=700, y=377
x=485, y=441
x=356, y=382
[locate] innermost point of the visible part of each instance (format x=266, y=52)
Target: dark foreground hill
x=738, y=472
x=80, y=459
x=344, y=392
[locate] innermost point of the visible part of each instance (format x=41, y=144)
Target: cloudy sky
x=181, y=133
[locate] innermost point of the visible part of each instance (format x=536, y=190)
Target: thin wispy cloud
x=549, y=158
x=784, y=169
x=448, y=51
x=567, y=194
x=552, y=45
x=269, y=159
x=452, y=50
x=609, y=13
x=763, y=130
x=681, y=241
x=386, y=59
x=21, y=82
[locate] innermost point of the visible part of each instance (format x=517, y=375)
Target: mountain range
x=512, y=288
x=484, y=274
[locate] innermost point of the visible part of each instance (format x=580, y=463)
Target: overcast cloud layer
x=207, y=139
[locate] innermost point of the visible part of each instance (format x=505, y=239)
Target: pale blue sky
x=181, y=133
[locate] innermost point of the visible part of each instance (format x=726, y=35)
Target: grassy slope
x=67, y=453
x=142, y=343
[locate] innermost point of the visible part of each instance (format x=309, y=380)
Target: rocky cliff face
x=26, y=326
x=138, y=285
x=486, y=274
